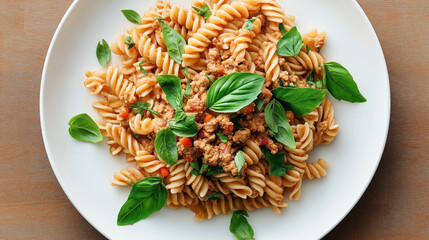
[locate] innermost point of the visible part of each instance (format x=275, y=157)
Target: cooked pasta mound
x=217, y=46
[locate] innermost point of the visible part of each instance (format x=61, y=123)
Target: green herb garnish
x=290, y=44
x=249, y=24
x=166, y=147
x=103, y=52
x=240, y=227
x=132, y=16
x=172, y=88
x=232, y=92
x=188, y=84
x=147, y=196
x=140, y=107
x=142, y=69
x=183, y=125
x=214, y=196
x=174, y=42
x=239, y=161
x=84, y=129
x=222, y=138
x=338, y=80
x=204, y=11
x=275, y=117
x=301, y=101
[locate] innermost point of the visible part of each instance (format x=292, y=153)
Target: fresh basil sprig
x=275, y=117
x=183, y=125
x=147, y=196
x=301, y=101
x=84, y=129
x=188, y=84
x=240, y=227
x=204, y=11
x=132, y=16
x=212, y=170
x=277, y=163
x=142, y=69
x=310, y=80
x=198, y=169
x=249, y=24
x=259, y=104
x=232, y=92
x=103, y=52
x=140, y=107
x=239, y=161
x=290, y=44
x=166, y=147
x=214, y=196
x=172, y=88
x=338, y=80
x=174, y=42
x=129, y=41
x=222, y=137
x=282, y=29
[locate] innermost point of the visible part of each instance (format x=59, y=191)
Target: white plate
x=84, y=169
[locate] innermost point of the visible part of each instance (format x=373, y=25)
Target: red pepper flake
x=207, y=118
x=264, y=142
x=123, y=115
x=186, y=141
x=164, y=171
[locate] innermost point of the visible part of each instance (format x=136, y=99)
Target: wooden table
x=33, y=205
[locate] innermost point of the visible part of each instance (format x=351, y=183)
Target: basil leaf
x=142, y=69
x=310, y=78
x=232, y=92
x=318, y=50
x=338, y=80
x=147, y=196
x=204, y=167
x=275, y=117
x=129, y=41
x=196, y=168
x=222, y=138
x=214, y=196
x=184, y=126
x=301, y=101
x=170, y=84
x=259, y=104
x=209, y=78
x=290, y=44
x=174, y=42
x=237, y=123
x=307, y=48
x=214, y=170
x=103, y=53
x=140, y=107
x=204, y=11
x=239, y=161
x=83, y=128
x=188, y=84
x=282, y=28
x=166, y=147
x=277, y=162
x=249, y=24
x=132, y=16
x=240, y=227
x=280, y=82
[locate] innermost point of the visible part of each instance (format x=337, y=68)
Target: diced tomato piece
x=188, y=159
x=208, y=117
x=192, y=108
x=164, y=171
x=222, y=146
x=264, y=142
x=249, y=109
x=222, y=71
x=123, y=115
x=230, y=128
x=186, y=141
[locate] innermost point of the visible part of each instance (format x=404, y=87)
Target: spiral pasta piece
x=95, y=81
x=186, y=17
x=120, y=47
x=202, y=37
x=311, y=61
x=295, y=191
x=106, y=112
x=274, y=190
x=177, y=177
x=125, y=139
x=149, y=23
x=127, y=176
x=153, y=53
x=316, y=170
x=148, y=162
x=274, y=14
x=184, y=198
x=142, y=126
x=241, y=42
x=291, y=178
x=272, y=68
x=252, y=153
x=199, y=184
x=123, y=88
x=250, y=204
x=223, y=205
x=256, y=179
x=236, y=185
x=305, y=136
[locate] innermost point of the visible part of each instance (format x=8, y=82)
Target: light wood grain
x=33, y=205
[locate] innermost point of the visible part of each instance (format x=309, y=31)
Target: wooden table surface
x=33, y=205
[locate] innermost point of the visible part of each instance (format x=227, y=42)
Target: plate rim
x=62, y=184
